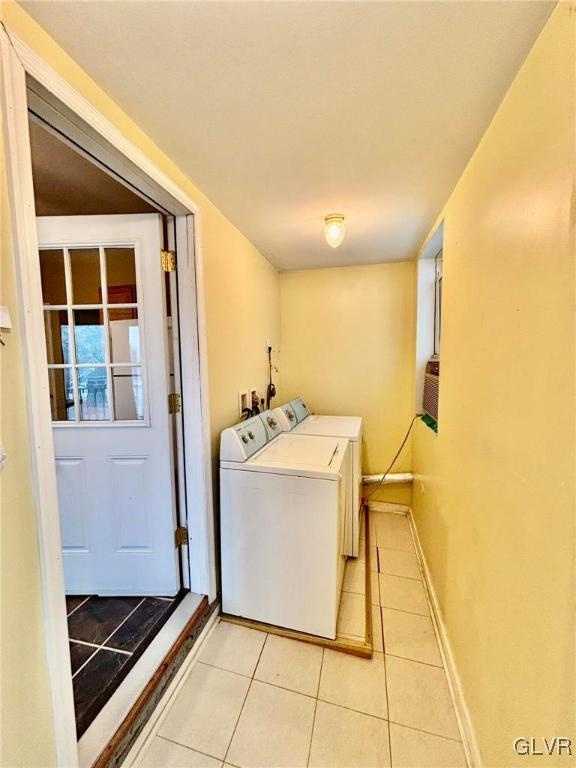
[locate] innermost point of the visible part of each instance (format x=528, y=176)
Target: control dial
x=251, y=435
x=290, y=415
x=272, y=422
x=244, y=439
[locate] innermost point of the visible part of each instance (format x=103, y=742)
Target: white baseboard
x=467, y=732
x=138, y=750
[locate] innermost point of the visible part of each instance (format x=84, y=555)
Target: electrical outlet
x=243, y=402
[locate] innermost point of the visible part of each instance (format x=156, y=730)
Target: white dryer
x=296, y=417
x=282, y=514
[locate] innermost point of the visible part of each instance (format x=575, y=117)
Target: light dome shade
x=334, y=229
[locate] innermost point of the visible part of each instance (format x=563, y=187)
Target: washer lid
x=334, y=426
x=289, y=449
x=302, y=455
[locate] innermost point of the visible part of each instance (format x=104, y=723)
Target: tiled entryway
x=256, y=699
x=107, y=635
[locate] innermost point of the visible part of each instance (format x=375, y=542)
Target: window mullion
x=105, y=314
x=71, y=335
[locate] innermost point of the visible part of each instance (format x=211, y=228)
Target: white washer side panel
x=281, y=550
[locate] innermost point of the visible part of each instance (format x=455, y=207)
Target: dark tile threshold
x=100, y=677
x=99, y=617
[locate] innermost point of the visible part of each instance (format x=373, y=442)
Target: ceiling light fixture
x=334, y=229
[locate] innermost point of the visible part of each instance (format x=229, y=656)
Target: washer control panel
x=271, y=424
x=243, y=440
x=300, y=409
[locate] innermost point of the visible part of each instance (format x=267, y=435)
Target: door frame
x=17, y=62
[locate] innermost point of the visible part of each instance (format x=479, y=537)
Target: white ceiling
x=282, y=112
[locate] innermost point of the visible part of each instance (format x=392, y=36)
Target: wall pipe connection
x=393, y=478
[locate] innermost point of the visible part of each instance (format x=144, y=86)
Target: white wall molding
x=469, y=740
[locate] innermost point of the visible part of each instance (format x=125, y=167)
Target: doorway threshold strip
x=343, y=643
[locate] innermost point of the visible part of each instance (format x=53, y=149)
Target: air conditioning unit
x=431, y=385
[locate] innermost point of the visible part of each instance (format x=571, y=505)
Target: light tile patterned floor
x=261, y=701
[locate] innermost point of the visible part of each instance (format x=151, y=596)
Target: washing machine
x=295, y=416
x=282, y=516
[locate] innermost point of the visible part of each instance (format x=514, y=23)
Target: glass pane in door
x=124, y=335
x=128, y=399
x=57, y=339
x=93, y=393
x=89, y=336
x=61, y=394
x=85, y=273
x=121, y=275
x=53, y=276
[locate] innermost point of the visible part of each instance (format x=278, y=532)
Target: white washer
x=282, y=514
x=296, y=416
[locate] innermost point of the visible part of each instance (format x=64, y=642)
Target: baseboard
x=138, y=750
x=467, y=732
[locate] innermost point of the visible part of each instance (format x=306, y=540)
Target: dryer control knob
x=244, y=439
x=290, y=416
x=251, y=435
x=272, y=422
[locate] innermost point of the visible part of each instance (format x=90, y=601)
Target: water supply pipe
x=393, y=478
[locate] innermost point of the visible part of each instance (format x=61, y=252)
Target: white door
x=104, y=312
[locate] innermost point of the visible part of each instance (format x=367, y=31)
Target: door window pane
x=124, y=336
x=57, y=340
x=61, y=394
x=93, y=394
x=85, y=271
x=53, y=276
x=128, y=397
x=121, y=275
x=89, y=336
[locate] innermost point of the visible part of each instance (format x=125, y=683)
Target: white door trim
x=18, y=60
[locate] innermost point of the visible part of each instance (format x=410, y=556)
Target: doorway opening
x=30, y=87
x=110, y=314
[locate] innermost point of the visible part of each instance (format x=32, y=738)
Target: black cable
x=416, y=416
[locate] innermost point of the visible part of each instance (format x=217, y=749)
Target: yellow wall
x=347, y=346
x=494, y=502
x=242, y=313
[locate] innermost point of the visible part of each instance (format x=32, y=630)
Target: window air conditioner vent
x=431, y=385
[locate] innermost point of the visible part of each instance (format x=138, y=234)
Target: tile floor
x=259, y=700
x=107, y=635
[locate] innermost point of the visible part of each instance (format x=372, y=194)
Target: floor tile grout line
x=192, y=749
x=78, y=606
x=245, y=697
x=81, y=667
x=299, y=693
x=315, y=707
x=312, y=732
x=100, y=647
x=124, y=621
x=404, y=610
x=224, y=669
x=412, y=578
x=428, y=733
x=416, y=661
x=401, y=610
x=386, y=683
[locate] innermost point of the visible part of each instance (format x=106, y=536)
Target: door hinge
x=181, y=536
x=168, y=261
x=174, y=403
